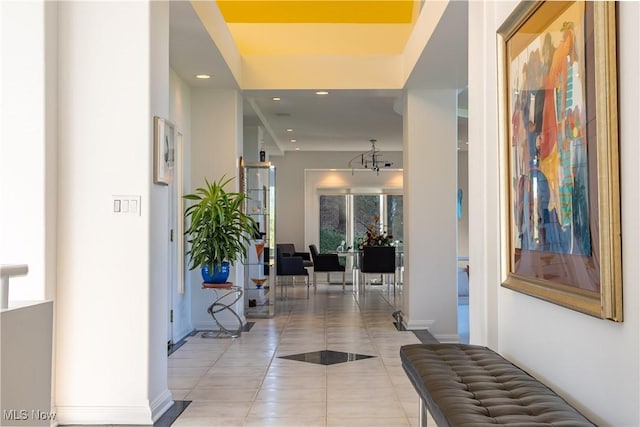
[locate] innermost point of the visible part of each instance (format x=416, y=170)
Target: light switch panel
x=126, y=204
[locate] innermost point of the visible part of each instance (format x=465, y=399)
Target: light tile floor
x=243, y=382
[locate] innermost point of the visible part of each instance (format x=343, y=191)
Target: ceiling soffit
x=320, y=39
x=319, y=11
x=320, y=43
x=263, y=76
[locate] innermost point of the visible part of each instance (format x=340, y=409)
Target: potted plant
x=218, y=231
x=373, y=236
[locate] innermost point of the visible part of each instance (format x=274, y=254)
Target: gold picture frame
x=164, y=149
x=559, y=138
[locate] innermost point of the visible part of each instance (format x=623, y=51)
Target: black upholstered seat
x=326, y=263
x=289, y=249
x=291, y=266
x=472, y=386
x=380, y=260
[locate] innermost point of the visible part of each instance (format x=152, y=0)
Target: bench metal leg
x=422, y=418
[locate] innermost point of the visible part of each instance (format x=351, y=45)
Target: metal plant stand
x=218, y=306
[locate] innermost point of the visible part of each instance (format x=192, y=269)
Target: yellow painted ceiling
x=320, y=27
x=317, y=11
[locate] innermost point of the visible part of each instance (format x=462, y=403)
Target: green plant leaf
x=218, y=229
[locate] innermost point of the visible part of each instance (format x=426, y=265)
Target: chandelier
x=371, y=159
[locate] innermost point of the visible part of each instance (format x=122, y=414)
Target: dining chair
x=289, y=249
x=326, y=263
x=290, y=266
x=379, y=260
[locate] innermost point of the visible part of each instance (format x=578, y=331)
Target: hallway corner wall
x=577, y=355
x=430, y=148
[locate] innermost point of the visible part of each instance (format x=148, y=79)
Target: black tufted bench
x=472, y=386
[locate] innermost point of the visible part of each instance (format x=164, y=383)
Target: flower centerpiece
x=374, y=235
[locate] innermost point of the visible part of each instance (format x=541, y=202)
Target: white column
x=484, y=173
x=155, y=39
x=430, y=195
x=110, y=365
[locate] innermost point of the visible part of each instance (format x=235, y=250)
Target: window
x=343, y=217
x=333, y=224
x=394, y=222
x=365, y=207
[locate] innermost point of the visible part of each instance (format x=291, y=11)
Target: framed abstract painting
x=164, y=144
x=559, y=139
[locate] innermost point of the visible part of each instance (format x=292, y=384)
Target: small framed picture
x=164, y=148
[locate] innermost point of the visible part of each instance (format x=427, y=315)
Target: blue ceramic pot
x=220, y=273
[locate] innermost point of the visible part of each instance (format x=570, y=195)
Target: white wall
x=430, y=219
x=28, y=144
x=290, y=184
x=216, y=145
x=593, y=363
x=111, y=295
x=157, y=73
x=180, y=101
x=253, y=140
x=316, y=181
x=291, y=198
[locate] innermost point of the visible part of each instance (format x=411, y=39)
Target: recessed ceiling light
x=203, y=76
x=276, y=98
x=289, y=130
x=297, y=148
x=293, y=140
x=322, y=92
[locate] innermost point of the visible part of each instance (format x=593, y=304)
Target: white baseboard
x=161, y=404
x=448, y=338
x=211, y=325
x=419, y=324
x=181, y=335
x=104, y=415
